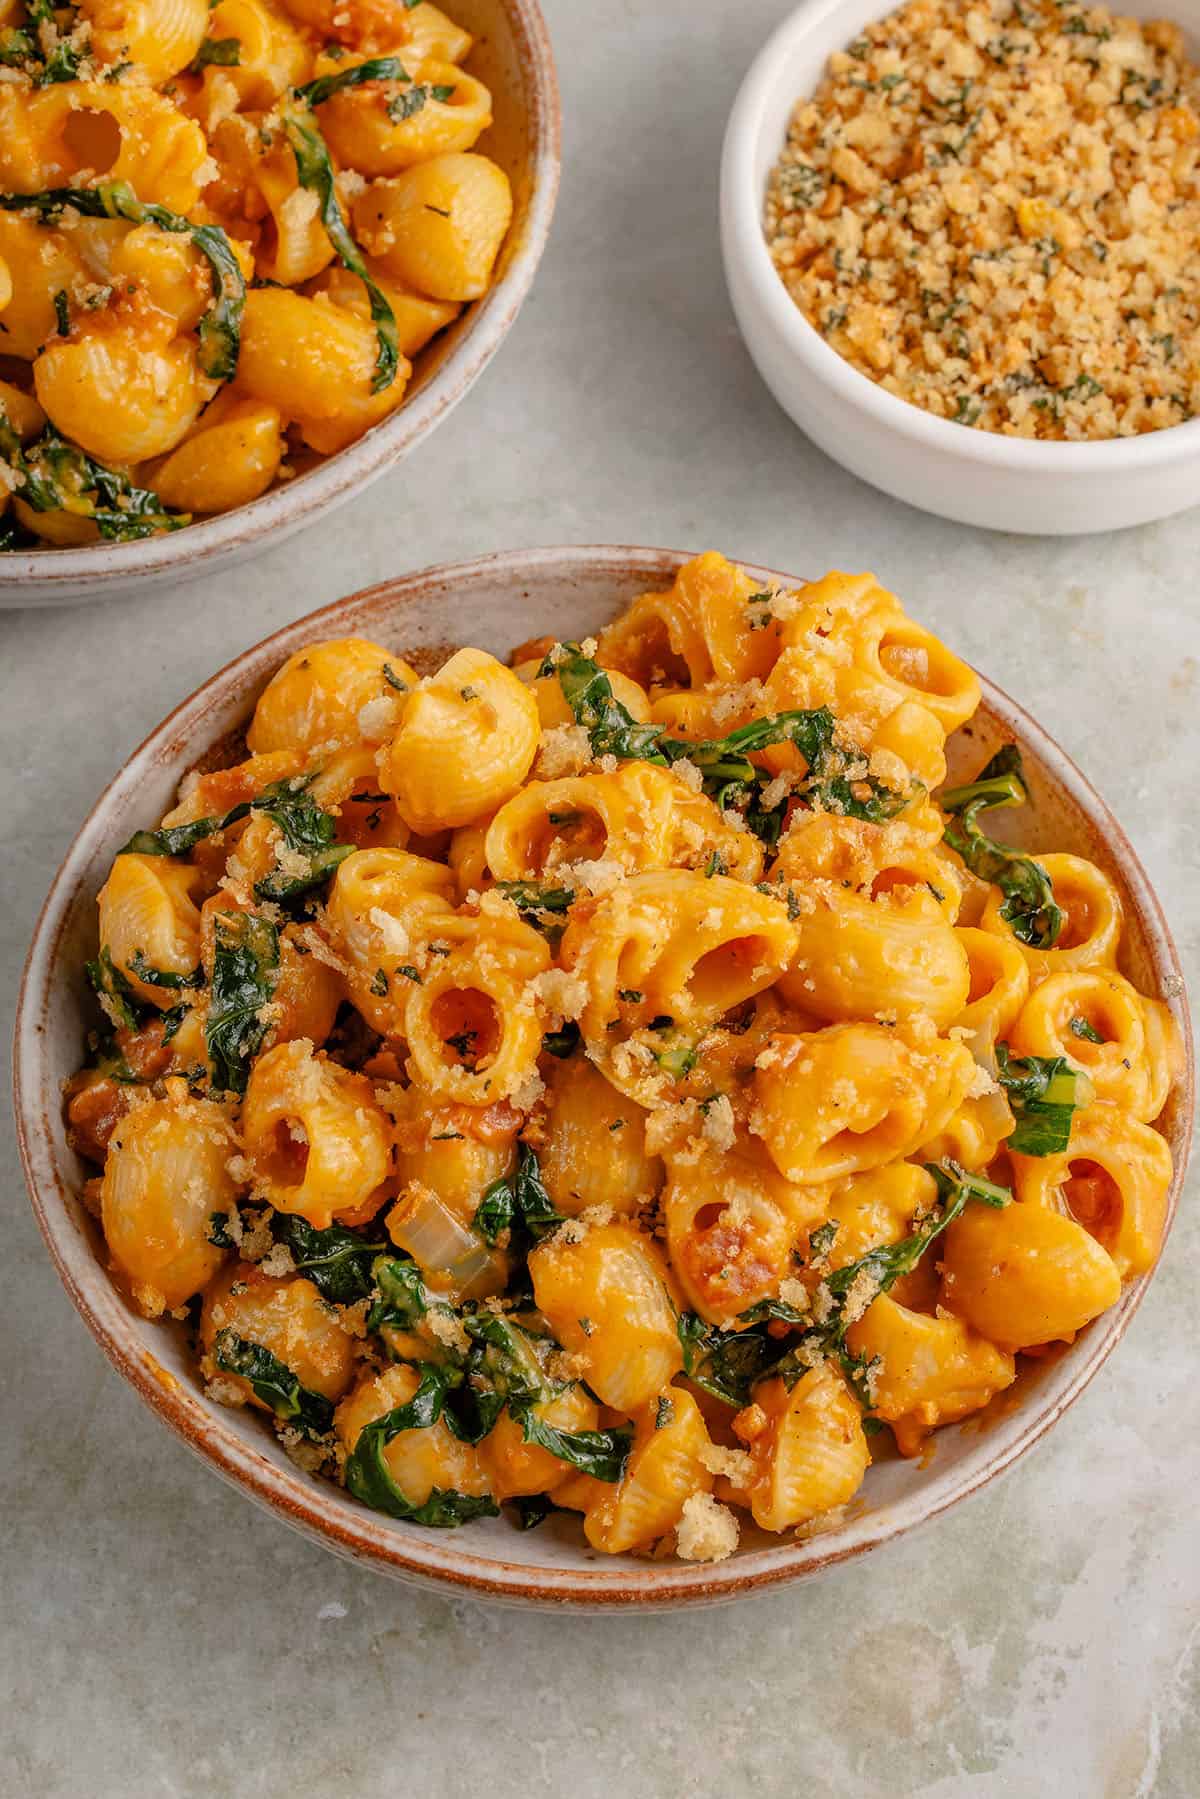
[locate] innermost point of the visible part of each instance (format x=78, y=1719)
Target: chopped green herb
x=542, y=905
x=218, y=1230
x=412, y=100
x=679, y=1053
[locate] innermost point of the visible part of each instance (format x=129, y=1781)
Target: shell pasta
x=628, y=1083
x=225, y=231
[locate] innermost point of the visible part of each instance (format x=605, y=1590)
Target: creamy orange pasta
x=626, y=1082
x=225, y=231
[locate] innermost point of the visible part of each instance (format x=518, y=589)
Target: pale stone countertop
x=161, y=1636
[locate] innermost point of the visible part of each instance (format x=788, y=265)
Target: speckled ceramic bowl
x=512, y=55
x=497, y=602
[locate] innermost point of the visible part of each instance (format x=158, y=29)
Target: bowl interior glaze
x=497, y=602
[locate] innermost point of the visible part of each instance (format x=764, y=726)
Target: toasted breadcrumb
x=735, y=1464
x=564, y=751
x=707, y=1531
x=718, y=1123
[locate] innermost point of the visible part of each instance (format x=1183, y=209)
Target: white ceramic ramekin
x=977, y=477
x=513, y=56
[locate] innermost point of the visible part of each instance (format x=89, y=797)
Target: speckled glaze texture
x=512, y=55
x=496, y=602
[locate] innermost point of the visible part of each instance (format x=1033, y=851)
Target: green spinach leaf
x=729, y=777
x=220, y=328
x=118, y=1000
x=337, y=1260
x=1044, y=1093
x=54, y=476
x=217, y=52
x=532, y=1509
x=304, y=826
x=376, y=68
x=517, y=1201
x=315, y=172
x=274, y=1383
x=162, y=977
x=245, y=958
x=367, y=1475
x=601, y=1453
x=1029, y=905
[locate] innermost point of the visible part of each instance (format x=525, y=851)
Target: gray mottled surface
x=158, y=1635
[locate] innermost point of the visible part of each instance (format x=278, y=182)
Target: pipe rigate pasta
x=854, y=1096
x=317, y=697
x=1113, y=1176
x=618, y=1083
x=1025, y=1276
x=929, y=1369
x=1093, y=918
x=316, y=1141
x=149, y=921
x=608, y=1296
x=466, y=740
x=286, y=1317
x=666, y=1469
x=438, y=226
x=166, y=1176
x=808, y=1453
x=592, y=1143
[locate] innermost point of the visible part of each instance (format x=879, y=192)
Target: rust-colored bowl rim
x=35, y=577
x=316, y=1507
